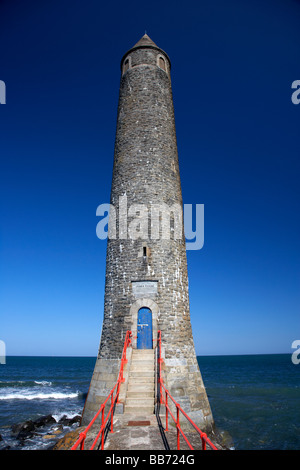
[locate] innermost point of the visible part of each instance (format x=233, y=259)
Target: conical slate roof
x=145, y=41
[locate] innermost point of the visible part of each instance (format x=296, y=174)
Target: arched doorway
x=144, y=328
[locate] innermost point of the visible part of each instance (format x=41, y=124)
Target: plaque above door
x=144, y=288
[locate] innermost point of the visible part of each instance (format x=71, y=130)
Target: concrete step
x=148, y=353
x=139, y=410
x=142, y=360
x=141, y=380
x=135, y=384
x=135, y=350
x=143, y=353
x=141, y=401
x=134, y=393
x=142, y=366
x=135, y=381
x=140, y=393
x=141, y=373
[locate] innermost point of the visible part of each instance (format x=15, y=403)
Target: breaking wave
x=38, y=396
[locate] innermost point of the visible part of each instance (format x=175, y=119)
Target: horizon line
x=197, y=355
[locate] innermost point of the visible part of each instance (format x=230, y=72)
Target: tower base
x=104, y=378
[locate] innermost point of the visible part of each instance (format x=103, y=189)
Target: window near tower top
x=161, y=63
x=144, y=251
x=126, y=65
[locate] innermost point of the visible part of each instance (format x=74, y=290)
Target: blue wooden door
x=144, y=329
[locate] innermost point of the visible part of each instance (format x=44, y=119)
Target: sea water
x=31, y=387
x=255, y=398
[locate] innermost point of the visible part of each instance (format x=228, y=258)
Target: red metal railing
x=164, y=400
x=114, y=398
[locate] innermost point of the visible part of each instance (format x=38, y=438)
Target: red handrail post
x=118, y=386
x=177, y=426
x=112, y=414
x=125, y=349
x=83, y=439
x=203, y=438
x=160, y=393
x=102, y=427
x=167, y=429
x=118, y=394
x=160, y=360
x=121, y=371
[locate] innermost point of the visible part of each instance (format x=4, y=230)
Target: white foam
x=12, y=382
x=38, y=396
x=69, y=415
x=42, y=382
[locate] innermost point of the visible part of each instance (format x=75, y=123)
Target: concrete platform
x=131, y=433
x=137, y=432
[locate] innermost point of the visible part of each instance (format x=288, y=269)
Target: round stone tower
x=146, y=266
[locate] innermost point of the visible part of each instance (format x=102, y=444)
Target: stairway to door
x=141, y=387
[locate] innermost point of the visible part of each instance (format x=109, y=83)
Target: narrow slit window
x=144, y=251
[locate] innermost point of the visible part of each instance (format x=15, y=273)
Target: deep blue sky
x=233, y=64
